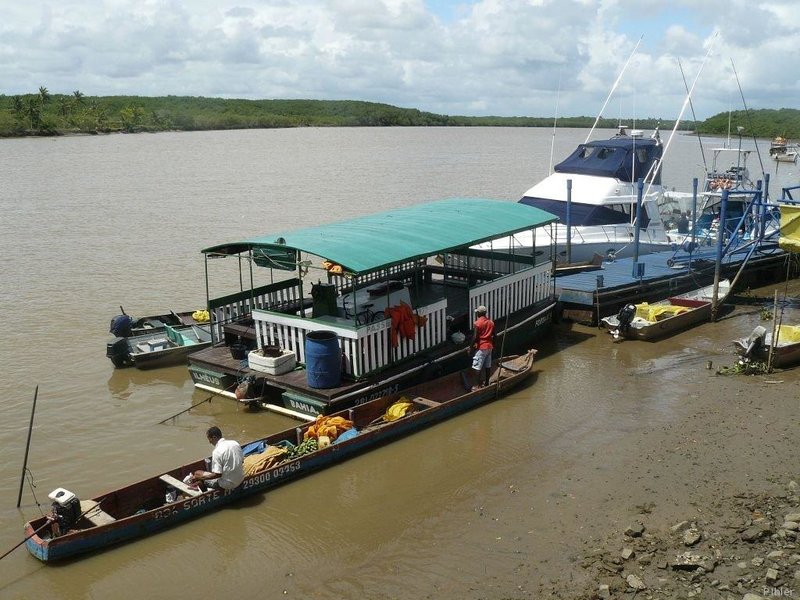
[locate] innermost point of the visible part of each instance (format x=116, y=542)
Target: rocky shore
x=746, y=547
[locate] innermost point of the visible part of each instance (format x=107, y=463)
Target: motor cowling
x=626, y=315
x=121, y=326
x=755, y=341
x=118, y=351
x=66, y=509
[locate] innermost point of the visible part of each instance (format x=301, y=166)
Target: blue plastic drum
x=323, y=359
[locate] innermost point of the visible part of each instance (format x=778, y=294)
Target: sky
x=541, y=58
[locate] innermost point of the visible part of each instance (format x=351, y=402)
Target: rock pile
x=747, y=550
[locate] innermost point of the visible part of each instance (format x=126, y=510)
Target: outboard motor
x=118, y=352
x=754, y=341
x=626, y=315
x=121, y=326
x=66, y=509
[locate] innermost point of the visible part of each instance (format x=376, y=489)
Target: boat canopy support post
x=27, y=447
x=208, y=301
x=718, y=263
x=695, y=184
x=637, y=228
x=765, y=199
x=252, y=279
x=569, y=221
x=301, y=285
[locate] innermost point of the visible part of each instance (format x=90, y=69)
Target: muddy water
x=460, y=509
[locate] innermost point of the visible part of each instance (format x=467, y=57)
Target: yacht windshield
x=583, y=215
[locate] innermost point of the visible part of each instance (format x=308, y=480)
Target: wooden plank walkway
x=591, y=295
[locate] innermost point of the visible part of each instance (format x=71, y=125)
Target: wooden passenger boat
x=142, y=508
x=758, y=344
x=647, y=321
x=161, y=348
x=396, y=290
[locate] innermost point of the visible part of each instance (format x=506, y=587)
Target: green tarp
x=375, y=241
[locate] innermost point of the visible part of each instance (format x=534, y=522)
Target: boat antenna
x=728, y=141
x=680, y=116
x=555, y=120
x=613, y=87
x=694, y=117
x=747, y=116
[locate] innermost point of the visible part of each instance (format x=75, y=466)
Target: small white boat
x=161, y=348
x=646, y=321
x=782, y=151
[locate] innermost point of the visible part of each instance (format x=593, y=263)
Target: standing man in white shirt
x=227, y=463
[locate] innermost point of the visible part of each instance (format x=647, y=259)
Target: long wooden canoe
x=142, y=508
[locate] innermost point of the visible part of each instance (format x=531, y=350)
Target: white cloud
x=504, y=57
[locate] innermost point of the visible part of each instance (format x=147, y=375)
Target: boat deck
x=218, y=358
x=292, y=390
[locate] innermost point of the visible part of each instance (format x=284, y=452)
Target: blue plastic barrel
x=323, y=359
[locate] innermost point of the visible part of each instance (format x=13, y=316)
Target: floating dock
x=588, y=296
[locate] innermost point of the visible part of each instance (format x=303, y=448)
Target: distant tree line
x=763, y=123
x=43, y=113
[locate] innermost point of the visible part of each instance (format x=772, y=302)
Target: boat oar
x=203, y=401
x=47, y=523
x=27, y=447
x=502, y=350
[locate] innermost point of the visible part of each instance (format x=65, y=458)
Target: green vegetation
x=762, y=123
x=43, y=113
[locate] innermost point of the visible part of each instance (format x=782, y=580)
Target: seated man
x=227, y=463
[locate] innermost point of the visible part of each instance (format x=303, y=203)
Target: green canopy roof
x=374, y=241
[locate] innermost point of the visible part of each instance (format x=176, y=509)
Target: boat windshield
x=624, y=158
x=584, y=215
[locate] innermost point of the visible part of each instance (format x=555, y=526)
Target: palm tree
x=77, y=97
x=44, y=95
x=18, y=106
x=34, y=112
x=64, y=106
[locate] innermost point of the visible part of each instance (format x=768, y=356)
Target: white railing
x=401, y=272
x=231, y=308
x=514, y=292
x=365, y=349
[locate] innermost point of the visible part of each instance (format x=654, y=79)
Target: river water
x=92, y=223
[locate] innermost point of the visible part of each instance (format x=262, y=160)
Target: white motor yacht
x=594, y=193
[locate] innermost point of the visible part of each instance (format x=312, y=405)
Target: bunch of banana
x=305, y=447
x=201, y=316
x=330, y=426
x=397, y=410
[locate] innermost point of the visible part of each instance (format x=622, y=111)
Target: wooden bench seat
x=179, y=485
x=426, y=402
x=94, y=514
